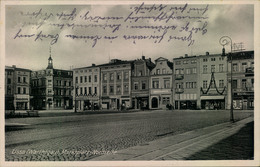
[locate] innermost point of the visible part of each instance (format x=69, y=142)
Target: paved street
x=83, y=137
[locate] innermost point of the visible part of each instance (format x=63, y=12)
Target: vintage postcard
x=129, y=83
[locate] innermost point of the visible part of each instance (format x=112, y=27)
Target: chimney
x=186, y=55
x=93, y=65
x=143, y=57
x=14, y=66
x=207, y=53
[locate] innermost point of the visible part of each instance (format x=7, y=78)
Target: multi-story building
x=52, y=88
x=140, y=83
x=243, y=80
x=161, y=84
x=116, y=84
x=213, y=81
x=17, y=88
x=185, y=77
x=87, y=85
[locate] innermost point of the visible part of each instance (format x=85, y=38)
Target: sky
x=235, y=21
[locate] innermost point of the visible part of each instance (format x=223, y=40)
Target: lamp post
x=226, y=40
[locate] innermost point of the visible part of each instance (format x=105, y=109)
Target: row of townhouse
x=189, y=82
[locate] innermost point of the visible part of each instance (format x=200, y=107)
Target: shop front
x=212, y=102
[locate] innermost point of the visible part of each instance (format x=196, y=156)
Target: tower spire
x=50, y=62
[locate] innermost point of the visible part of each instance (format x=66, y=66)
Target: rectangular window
x=89, y=78
x=235, y=67
x=158, y=71
x=85, y=90
x=156, y=84
x=213, y=59
x=213, y=68
x=95, y=78
x=205, y=68
x=221, y=67
x=95, y=90
x=105, y=77
x=143, y=85
x=24, y=79
x=205, y=84
x=118, y=89
x=244, y=83
x=234, y=84
x=111, y=89
x=163, y=71
x=185, y=62
x=81, y=91
x=167, y=84
x=24, y=90
x=244, y=66
x=19, y=79
x=104, y=89
x=136, y=85
x=126, y=88
x=19, y=90
x=111, y=76
x=193, y=61
x=126, y=75
x=221, y=83
x=140, y=73
x=194, y=70
x=90, y=90
x=81, y=79
x=65, y=83
x=178, y=62
x=188, y=70
x=76, y=80
x=86, y=79
x=9, y=81
x=205, y=60
x=118, y=76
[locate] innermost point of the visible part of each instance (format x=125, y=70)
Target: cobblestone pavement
x=196, y=145
x=83, y=137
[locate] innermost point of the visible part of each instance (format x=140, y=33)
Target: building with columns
x=17, y=88
x=116, y=84
x=51, y=88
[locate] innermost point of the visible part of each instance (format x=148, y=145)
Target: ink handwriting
x=155, y=23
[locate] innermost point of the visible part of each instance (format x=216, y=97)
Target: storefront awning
x=212, y=97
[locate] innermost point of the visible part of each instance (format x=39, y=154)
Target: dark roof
x=242, y=55
x=18, y=69
x=170, y=64
x=117, y=62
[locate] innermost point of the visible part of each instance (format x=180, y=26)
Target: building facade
x=52, y=88
x=213, y=81
x=17, y=88
x=161, y=84
x=87, y=88
x=185, y=88
x=116, y=84
x=242, y=80
x=140, y=83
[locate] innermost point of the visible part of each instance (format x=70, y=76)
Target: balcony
x=179, y=76
x=179, y=90
x=249, y=72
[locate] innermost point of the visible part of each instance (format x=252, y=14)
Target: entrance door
x=154, y=102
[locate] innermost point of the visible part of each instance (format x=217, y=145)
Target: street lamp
x=226, y=40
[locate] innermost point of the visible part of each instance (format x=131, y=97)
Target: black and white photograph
x=122, y=82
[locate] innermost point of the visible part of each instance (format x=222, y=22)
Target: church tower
x=50, y=62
